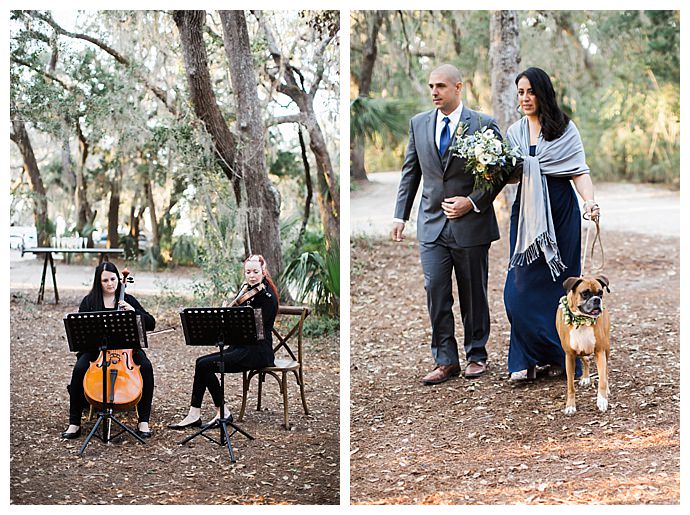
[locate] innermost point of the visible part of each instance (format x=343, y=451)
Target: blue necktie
x=445, y=136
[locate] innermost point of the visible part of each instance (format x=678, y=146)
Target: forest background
x=184, y=137
x=616, y=74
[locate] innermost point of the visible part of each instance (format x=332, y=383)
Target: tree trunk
x=190, y=24
x=168, y=220
x=328, y=191
x=358, y=171
x=263, y=199
x=21, y=138
x=369, y=53
x=85, y=215
x=114, y=209
x=68, y=176
x=135, y=213
x=151, y=205
x=308, y=184
x=504, y=58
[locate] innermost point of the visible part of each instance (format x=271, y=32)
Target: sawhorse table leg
x=42, y=288
x=48, y=258
x=52, y=269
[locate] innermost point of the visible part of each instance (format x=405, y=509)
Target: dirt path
x=639, y=208
x=488, y=441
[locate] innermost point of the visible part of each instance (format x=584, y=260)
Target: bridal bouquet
x=488, y=158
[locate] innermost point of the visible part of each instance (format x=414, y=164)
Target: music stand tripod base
x=106, y=417
x=205, y=325
x=223, y=424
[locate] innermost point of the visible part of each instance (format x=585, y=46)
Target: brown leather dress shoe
x=441, y=374
x=475, y=369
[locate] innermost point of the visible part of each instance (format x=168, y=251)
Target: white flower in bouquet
x=487, y=157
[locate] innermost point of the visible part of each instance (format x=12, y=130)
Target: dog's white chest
x=582, y=339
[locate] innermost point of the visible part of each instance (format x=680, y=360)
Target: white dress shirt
x=453, y=124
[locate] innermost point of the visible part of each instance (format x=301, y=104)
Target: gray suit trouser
x=471, y=265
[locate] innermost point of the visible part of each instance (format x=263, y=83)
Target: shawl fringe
x=531, y=253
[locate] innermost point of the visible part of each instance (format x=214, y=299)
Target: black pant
x=236, y=359
x=77, y=401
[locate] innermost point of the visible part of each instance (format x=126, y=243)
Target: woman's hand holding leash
x=593, y=213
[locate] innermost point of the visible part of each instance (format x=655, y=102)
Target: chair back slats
x=282, y=366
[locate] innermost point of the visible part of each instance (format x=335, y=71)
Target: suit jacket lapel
x=431, y=135
x=466, y=119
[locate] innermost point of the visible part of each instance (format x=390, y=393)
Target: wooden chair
x=283, y=365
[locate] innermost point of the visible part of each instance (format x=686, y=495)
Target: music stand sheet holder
x=100, y=331
x=221, y=327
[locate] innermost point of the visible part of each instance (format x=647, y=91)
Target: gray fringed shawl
x=562, y=157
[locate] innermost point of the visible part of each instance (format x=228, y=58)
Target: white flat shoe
x=523, y=375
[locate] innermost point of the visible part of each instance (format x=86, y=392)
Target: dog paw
x=602, y=402
x=569, y=410
x=585, y=381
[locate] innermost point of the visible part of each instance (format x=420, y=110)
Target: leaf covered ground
x=300, y=466
x=488, y=441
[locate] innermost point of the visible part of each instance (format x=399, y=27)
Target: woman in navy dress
x=531, y=291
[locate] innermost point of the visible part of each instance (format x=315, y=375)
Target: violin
x=124, y=385
x=246, y=293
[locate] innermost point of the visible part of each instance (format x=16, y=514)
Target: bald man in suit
x=455, y=226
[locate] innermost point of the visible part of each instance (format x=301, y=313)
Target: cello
x=124, y=385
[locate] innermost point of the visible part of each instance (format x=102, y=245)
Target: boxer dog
x=583, y=325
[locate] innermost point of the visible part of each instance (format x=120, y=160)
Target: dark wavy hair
x=553, y=120
x=95, y=296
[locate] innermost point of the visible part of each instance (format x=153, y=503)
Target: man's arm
x=409, y=183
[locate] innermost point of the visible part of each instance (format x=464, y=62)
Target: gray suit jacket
x=444, y=176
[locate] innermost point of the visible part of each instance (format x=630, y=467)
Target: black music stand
x=221, y=327
x=101, y=331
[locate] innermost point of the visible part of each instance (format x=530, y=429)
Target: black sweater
x=148, y=320
x=268, y=303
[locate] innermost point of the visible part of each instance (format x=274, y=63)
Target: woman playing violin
x=258, y=291
x=104, y=295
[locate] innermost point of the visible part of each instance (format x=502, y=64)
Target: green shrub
x=185, y=251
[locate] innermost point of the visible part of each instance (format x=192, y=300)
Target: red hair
x=264, y=269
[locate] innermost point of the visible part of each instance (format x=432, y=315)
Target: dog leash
x=597, y=238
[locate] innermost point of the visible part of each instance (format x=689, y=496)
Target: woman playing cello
x=104, y=295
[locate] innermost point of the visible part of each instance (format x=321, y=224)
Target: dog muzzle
x=592, y=308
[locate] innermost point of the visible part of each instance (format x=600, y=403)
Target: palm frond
x=371, y=117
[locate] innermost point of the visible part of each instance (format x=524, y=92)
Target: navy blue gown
x=531, y=295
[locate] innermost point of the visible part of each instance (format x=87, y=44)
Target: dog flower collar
x=571, y=318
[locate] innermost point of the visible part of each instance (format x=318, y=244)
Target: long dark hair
x=553, y=120
x=95, y=296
